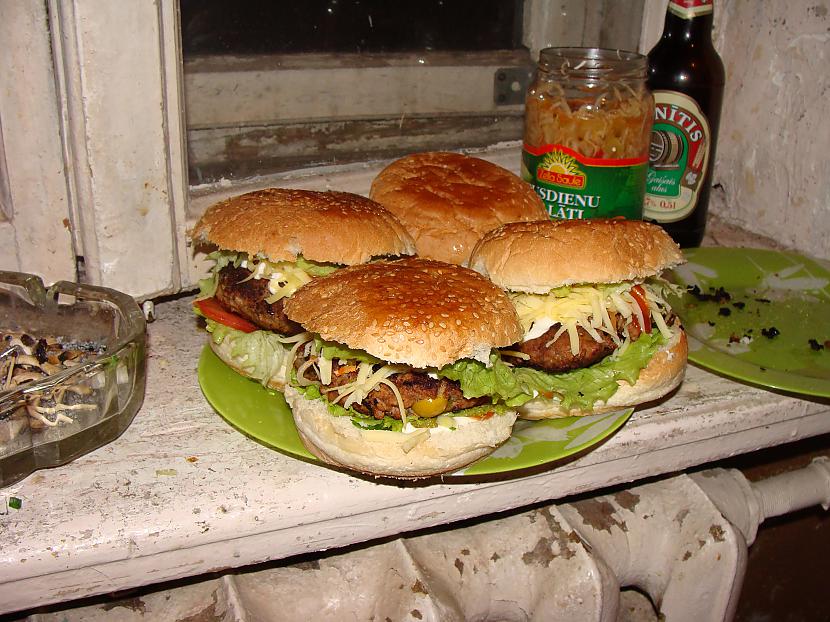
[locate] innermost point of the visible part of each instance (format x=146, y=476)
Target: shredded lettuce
x=579, y=388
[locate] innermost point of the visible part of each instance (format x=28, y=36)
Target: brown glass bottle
x=686, y=76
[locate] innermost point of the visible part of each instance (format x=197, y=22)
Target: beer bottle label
x=689, y=9
x=678, y=155
x=574, y=186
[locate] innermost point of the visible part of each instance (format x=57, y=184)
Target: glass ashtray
x=72, y=371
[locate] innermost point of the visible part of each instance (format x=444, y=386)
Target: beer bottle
x=686, y=76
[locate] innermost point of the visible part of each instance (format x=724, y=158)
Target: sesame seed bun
x=418, y=312
x=535, y=257
x=337, y=441
x=448, y=201
x=282, y=223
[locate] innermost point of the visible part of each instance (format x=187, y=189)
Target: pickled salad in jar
x=588, y=118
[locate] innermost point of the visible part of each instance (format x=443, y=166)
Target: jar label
x=678, y=155
x=689, y=9
x=574, y=186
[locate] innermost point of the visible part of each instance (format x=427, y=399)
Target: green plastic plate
x=264, y=415
x=759, y=316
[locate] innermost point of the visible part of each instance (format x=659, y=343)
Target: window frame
x=93, y=131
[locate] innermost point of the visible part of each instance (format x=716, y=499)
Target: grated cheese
x=284, y=277
x=589, y=308
x=368, y=379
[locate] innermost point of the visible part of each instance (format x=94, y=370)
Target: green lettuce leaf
x=314, y=268
x=207, y=287
x=579, y=388
x=333, y=351
x=260, y=353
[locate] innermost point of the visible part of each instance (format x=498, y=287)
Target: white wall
x=774, y=149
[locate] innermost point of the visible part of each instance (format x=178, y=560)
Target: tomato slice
x=639, y=294
x=211, y=308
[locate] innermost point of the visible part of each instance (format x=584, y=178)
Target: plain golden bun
x=535, y=257
x=415, y=311
x=423, y=453
x=282, y=223
x=661, y=376
x=448, y=201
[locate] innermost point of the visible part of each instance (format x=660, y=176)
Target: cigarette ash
x=26, y=360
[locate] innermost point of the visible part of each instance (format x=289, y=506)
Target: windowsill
x=182, y=492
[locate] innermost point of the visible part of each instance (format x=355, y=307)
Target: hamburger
x=265, y=245
x=448, y=201
x=368, y=390
x=598, y=334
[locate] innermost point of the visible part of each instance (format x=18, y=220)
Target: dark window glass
x=348, y=26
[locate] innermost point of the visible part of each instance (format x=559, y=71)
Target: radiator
x=680, y=541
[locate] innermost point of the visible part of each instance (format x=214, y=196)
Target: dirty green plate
x=263, y=414
x=773, y=329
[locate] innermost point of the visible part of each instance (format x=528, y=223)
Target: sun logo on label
x=560, y=169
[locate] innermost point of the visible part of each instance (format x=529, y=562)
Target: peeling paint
x=717, y=533
x=681, y=516
x=460, y=566
x=599, y=514
x=565, y=539
x=627, y=499
x=419, y=588
x=133, y=604
x=542, y=554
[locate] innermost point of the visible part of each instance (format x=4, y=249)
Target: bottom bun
x=223, y=351
x=661, y=376
x=423, y=453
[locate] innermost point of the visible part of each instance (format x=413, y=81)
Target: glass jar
x=588, y=118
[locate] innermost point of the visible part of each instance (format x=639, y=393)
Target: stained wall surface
x=772, y=165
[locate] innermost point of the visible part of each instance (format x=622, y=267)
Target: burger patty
x=413, y=387
x=555, y=355
x=247, y=298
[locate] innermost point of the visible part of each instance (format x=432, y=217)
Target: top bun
x=282, y=223
x=535, y=257
x=415, y=311
x=447, y=201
